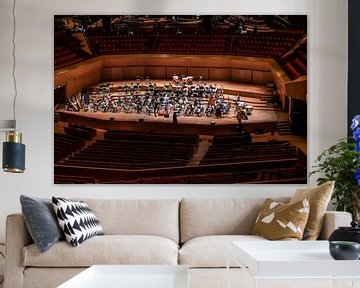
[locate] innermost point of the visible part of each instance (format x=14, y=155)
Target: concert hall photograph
x=180, y=99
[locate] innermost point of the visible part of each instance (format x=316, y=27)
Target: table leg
x=228, y=270
x=255, y=283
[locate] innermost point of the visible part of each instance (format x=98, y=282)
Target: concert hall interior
x=180, y=99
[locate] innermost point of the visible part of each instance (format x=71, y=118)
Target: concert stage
x=256, y=96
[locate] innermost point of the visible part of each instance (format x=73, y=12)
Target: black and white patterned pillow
x=77, y=220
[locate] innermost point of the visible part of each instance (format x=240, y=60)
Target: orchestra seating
x=263, y=44
x=190, y=44
x=116, y=43
x=73, y=140
x=64, y=145
x=206, y=178
x=127, y=150
x=67, y=179
x=232, y=158
x=80, y=132
x=295, y=63
x=64, y=56
x=230, y=150
x=267, y=44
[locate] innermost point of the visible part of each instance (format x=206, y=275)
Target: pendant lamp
x=13, y=149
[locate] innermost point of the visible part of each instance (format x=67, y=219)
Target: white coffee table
x=293, y=260
x=131, y=276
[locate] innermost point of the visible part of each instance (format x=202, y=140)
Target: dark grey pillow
x=41, y=221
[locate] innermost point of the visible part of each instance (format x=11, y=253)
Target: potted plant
x=341, y=163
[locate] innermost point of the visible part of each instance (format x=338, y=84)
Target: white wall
x=327, y=53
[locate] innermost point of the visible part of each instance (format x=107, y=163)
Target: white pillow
x=76, y=220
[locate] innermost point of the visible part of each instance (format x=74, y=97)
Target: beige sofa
x=194, y=232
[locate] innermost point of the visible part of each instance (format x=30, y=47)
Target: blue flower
x=357, y=147
x=357, y=176
x=355, y=122
x=356, y=134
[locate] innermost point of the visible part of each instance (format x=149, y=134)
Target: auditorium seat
x=295, y=63
x=230, y=150
x=249, y=44
x=65, y=145
x=132, y=150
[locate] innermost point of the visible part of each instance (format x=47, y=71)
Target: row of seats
x=295, y=64
x=206, y=178
x=232, y=152
x=80, y=132
x=109, y=44
x=64, y=57
x=269, y=45
x=130, y=150
x=73, y=140
x=67, y=179
x=231, y=158
x=65, y=145
x=259, y=172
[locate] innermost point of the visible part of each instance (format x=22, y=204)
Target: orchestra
x=181, y=96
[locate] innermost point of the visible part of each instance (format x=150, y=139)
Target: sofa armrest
x=17, y=237
x=333, y=220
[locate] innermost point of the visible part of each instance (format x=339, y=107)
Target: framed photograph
x=180, y=99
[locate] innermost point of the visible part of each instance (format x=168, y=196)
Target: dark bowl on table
x=344, y=250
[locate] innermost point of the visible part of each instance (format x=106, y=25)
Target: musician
x=175, y=121
x=156, y=107
x=218, y=111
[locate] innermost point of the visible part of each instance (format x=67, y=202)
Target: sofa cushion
x=107, y=249
x=41, y=221
x=211, y=251
x=77, y=220
x=279, y=221
x=158, y=217
x=201, y=217
x=319, y=198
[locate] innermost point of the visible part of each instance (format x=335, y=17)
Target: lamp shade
x=13, y=153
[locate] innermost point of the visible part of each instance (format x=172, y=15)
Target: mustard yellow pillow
x=279, y=221
x=319, y=198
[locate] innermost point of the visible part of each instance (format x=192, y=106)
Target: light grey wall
x=327, y=54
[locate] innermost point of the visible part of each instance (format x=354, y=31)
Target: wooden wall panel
x=70, y=87
x=132, y=72
x=118, y=67
x=78, y=76
x=219, y=74
x=155, y=72
x=112, y=73
x=79, y=83
x=171, y=70
x=123, y=60
x=241, y=75
x=88, y=79
x=199, y=71
x=262, y=77
x=258, y=77
x=106, y=74
x=250, y=63
x=268, y=77
x=280, y=78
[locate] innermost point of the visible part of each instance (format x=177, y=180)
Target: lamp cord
x=14, y=61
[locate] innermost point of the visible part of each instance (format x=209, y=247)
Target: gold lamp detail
x=13, y=149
